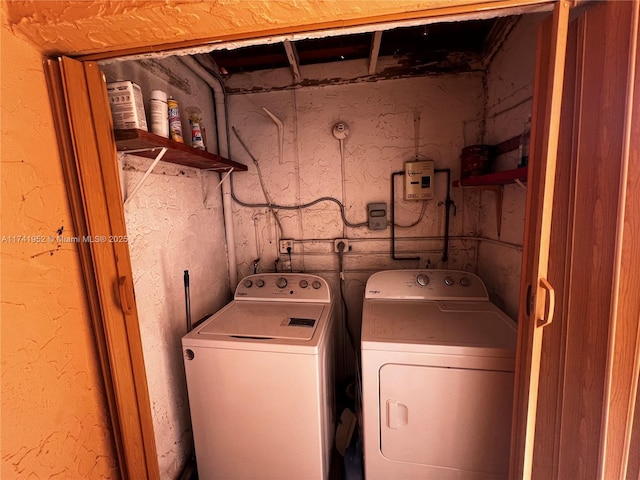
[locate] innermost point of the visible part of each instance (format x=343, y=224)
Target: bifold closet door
x=84, y=127
x=590, y=354
x=537, y=298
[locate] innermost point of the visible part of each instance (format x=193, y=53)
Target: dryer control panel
x=426, y=285
x=290, y=287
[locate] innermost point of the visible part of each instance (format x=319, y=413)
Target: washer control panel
x=297, y=287
x=426, y=285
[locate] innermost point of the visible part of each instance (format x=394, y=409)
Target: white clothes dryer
x=438, y=363
x=260, y=381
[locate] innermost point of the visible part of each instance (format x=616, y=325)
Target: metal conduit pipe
x=223, y=151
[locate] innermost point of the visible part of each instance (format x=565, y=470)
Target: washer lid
x=453, y=323
x=265, y=320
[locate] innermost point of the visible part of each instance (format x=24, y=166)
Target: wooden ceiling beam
x=375, y=52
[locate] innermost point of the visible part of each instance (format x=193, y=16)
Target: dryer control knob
x=260, y=283
x=449, y=281
x=465, y=282
x=304, y=284
x=247, y=283
x=281, y=282
x=422, y=279
x=316, y=284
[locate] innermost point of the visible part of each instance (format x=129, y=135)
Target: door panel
x=534, y=311
x=552, y=359
x=449, y=418
x=80, y=105
x=589, y=367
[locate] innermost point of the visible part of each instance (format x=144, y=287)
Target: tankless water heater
x=418, y=180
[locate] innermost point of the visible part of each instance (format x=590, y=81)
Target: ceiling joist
x=375, y=51
x=292, y=55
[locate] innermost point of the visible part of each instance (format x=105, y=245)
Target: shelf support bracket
x=205, y=191
x=147, y=173
x=280, y=126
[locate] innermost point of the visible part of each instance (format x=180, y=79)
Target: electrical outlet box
x=286, y=246
x=377, y=216
x=418, y=180
x=337, y=241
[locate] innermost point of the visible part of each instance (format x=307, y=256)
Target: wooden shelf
x=493, y=179
x=496, y=180
x=179, y=153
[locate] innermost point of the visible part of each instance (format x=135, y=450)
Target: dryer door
x=446, y=417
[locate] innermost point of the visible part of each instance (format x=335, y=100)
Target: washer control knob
x=465, y=282
x=260, y=283
x=449, y=281
x=247, y=283
x=304, y=284
x=422, y=279
x=281, y=282
x=316, y=284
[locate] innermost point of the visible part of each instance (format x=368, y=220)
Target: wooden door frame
x=96, y=205
x=621, y=408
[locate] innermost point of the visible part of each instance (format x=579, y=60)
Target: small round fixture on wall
x=341, y=130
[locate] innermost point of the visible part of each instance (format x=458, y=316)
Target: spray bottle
x=197, y=129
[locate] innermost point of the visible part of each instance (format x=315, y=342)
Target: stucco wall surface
x=171, y=229
x=79, y=26
x=54, y=417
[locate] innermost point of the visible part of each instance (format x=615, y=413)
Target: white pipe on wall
x=223, y=151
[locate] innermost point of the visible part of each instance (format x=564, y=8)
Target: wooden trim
x=448, y=11
x=624, y=341
x=89, y=154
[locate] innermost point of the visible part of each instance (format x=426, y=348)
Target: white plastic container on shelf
x=159, y=113
x=127, y=107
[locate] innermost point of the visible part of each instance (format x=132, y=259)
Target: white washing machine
x=260, y=381
x=438, y=363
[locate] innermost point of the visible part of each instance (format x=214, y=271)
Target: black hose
x=342, y=297
x=297, y=207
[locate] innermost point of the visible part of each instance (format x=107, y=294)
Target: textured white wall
x=509, y=89
x=390, y=121
x=171, y=229
x=174, y=223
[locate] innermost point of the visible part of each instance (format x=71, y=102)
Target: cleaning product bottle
x=197, y=129
x=525, y=140
x=175, y=126
x=159, y=113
